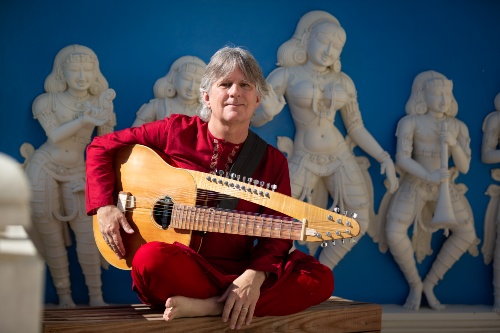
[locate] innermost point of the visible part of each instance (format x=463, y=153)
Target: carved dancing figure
x=490, y=154
x=176, y=92
x=320, y=157
x=427, y=197
x=77, y=100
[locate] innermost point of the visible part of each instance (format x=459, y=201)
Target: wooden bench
x=334, y=315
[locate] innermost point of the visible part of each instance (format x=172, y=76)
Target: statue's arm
x=146, y=114
x=55, y=131
x=491, y=134
x=273, y=103
x=351, y=116
x=461, y=152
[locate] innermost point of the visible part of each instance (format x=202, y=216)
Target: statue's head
x=497, y=102
x=314, y=28
x=183, y=79
x=428, y=86
x=56, y=81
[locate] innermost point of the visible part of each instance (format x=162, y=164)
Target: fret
x=245, y=216
x=253, y=225
x=230, y=223
x=210, y=224
x=261, y=224
x=212, y=219
x=181, y=216
x=195, y=211
x=238, y=216
x=189, y=218
x=192, y=218
x=204, y=221
x=224, y=215
x=217, y=217
x=279, y=229
x=198, y=220
x=268, y=223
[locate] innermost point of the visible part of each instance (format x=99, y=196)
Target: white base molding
x=454, y=319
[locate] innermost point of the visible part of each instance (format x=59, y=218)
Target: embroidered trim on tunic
x=217, y=154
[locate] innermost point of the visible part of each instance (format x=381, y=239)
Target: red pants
x=161, y=270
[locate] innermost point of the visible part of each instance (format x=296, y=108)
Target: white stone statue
x=77, y=100
x=176, y=92
x=490, y=154
x=428, y=198
x=21, y=267
x=320, y=157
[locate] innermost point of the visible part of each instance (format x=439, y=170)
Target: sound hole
x=162, y=211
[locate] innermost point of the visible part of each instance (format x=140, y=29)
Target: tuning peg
x=324, y=244
x=354, y=215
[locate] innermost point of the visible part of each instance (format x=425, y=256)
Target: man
x=218, y=274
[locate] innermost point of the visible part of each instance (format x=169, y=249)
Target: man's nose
x=234, y=90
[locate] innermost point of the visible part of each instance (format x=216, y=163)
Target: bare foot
x=431, y=298
x=97, y=301
x=182, y=307
x=66, y=302
x=414, y=297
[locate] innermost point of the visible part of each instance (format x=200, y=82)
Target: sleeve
x=100, y=173
x=269, y=255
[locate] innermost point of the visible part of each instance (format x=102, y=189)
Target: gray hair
x=222, y=64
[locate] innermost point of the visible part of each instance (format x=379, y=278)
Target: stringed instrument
x=159, y=202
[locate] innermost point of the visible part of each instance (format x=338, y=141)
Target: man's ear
x=206, y=99
x=258, y=100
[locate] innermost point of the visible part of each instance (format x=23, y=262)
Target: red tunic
x=222, y=257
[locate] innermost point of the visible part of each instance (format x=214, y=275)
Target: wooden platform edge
x=333, y=315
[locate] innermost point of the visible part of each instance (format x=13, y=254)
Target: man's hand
x=241, y=297
x=110, y=219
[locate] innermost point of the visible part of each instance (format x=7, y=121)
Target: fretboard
x=233, y=222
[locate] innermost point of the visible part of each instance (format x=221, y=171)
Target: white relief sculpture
x=321, y=160
x=428, y=198
x=176, y=92
x=77, y=100
x=490, y=154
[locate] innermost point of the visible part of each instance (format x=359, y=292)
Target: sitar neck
x=233, y=222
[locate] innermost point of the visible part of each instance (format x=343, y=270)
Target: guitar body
x=143, y=173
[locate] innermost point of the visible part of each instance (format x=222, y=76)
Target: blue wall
x=388, y=43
